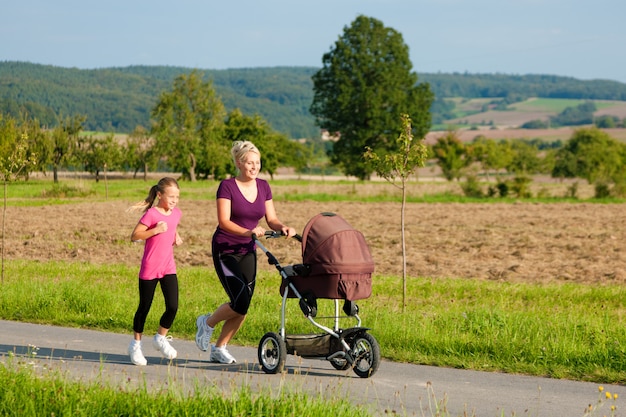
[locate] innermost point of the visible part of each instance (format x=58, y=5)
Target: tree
x=593, y=155
x=276, y=149
x=491, y=155
x=15, y=161
x=526, y=160
x=100, y=154
x=364, y=84
x=451, y=155
x=410, y=155
x=65, y=142
x=140, y=151
x=188, y=125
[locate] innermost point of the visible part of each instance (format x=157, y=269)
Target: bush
x=471, y=187
x=602, y=190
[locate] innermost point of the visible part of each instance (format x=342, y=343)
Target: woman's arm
x=274, y=222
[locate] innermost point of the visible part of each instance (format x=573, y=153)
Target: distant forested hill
x=119, y=99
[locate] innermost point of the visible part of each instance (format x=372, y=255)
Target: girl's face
x=169, y=198
x=250, y=166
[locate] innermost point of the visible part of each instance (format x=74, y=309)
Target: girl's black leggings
x=147, y=287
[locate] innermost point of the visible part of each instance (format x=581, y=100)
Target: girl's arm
x=178, y=241
x=141, y=231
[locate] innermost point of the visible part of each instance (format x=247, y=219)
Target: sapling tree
x=396, y=168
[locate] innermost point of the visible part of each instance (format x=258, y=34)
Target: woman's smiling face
x=250, y=166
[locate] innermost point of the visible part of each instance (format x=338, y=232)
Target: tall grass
x=569, y=331
x=26, y=394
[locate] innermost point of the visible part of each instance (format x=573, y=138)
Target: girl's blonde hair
x=160, y=187
x=241, y=148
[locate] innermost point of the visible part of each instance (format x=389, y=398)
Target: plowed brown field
x=579, y=242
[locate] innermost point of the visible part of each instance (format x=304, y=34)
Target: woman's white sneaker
x=221, y=355
x=204, y=332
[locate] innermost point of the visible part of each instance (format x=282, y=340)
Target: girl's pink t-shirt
x=158, y=253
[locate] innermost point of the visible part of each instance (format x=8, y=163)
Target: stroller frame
x=352, y=347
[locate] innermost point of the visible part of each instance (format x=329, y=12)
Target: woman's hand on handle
x=257, y=231
x=288, y=231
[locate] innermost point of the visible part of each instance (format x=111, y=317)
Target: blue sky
x=581, y=39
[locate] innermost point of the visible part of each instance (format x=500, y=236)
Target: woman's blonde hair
x=241, y=148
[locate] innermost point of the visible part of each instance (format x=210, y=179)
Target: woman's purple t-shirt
x=242, y=213
x=158, y=253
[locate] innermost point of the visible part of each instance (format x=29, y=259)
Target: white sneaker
x=162, y=344
x=204, y=332
x=221, y=355
x=136, y=355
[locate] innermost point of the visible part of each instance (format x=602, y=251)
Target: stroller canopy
x=336, y=259
x=331, y=246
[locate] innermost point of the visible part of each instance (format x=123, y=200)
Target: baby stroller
x=337, y=265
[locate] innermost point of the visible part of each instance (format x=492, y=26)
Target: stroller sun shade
x=338, y=259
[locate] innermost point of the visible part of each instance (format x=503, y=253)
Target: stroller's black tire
x=366, y=351
x=339, y=364
x=272, y=353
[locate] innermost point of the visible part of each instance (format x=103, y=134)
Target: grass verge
x=571, y=331
x=25, y=393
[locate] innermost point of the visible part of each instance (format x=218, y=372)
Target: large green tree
x=188, y=126
x=364, y=85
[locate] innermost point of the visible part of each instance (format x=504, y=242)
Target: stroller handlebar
x=273, y=234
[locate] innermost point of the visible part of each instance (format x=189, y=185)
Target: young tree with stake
x=401, y=164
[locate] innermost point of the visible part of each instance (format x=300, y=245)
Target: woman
x=242, y=202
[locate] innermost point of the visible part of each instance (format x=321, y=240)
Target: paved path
x=396, y=388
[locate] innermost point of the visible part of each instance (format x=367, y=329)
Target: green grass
x=569, y=331
x=25, y=393
x=555, y=105
x=39, y=192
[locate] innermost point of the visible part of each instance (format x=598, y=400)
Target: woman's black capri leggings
x=237, y=273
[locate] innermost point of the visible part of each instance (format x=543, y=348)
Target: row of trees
x=590, y=154
x=191, y=134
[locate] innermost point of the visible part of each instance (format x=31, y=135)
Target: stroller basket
x=337, y=263
x=311, y=345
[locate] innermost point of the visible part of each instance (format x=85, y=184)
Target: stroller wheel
x=339, y=364
x=366, y=351
x=272, y=353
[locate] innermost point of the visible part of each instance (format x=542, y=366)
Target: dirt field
x=512, y=242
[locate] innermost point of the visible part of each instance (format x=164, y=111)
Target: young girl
x=157, y=227
x=241, y=202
